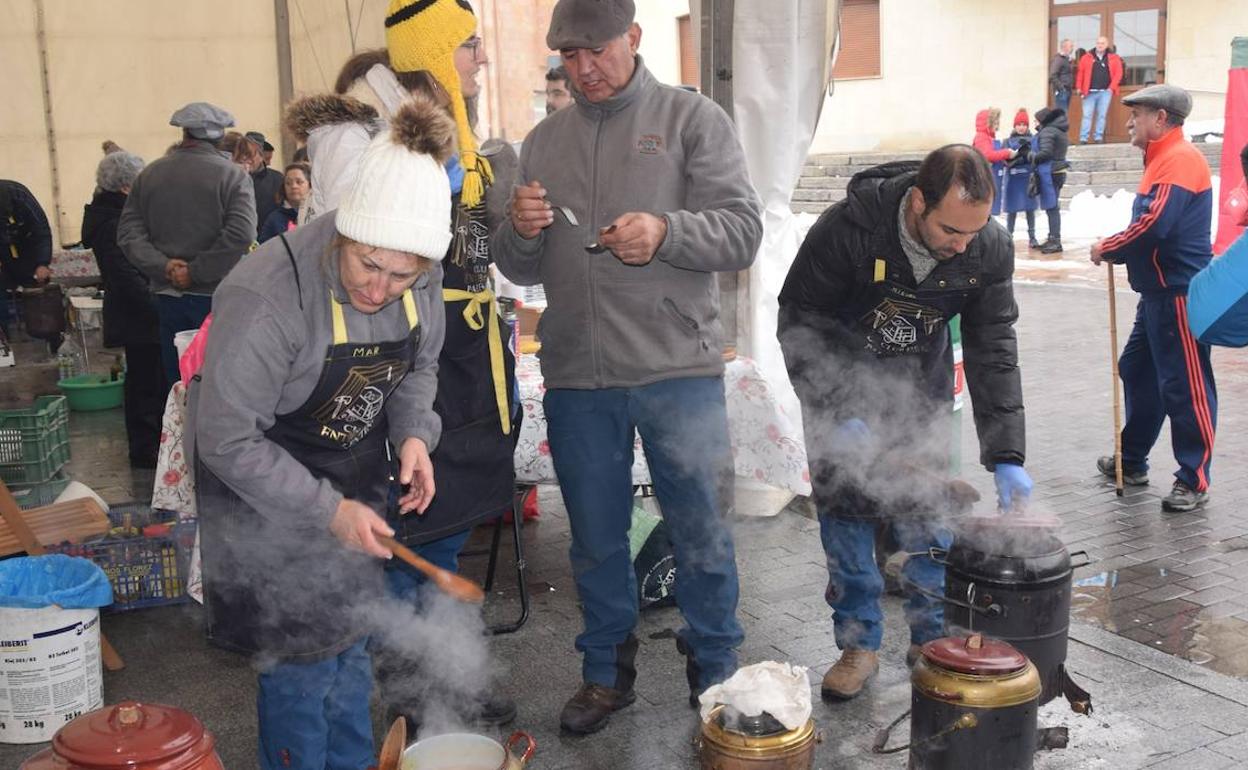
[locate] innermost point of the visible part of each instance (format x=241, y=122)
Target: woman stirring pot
x=322, y=357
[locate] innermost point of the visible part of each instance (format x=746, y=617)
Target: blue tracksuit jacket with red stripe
x=1168, y=241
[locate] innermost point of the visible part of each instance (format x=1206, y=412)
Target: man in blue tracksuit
x=1165, y=370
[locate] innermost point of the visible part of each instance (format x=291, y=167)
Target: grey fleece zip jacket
x=265, y=356
x=650, y=148
x=191, y=204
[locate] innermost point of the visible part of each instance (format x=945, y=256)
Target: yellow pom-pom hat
x=423, y=35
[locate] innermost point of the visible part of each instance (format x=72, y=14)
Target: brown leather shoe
x=588, y=710
x=849, y=675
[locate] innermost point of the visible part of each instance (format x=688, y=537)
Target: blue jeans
x=1098, y=102
x=1061, y=100
x=177, y=314
x=855, y=584
x=405, y=582
x=315, y=715
x=684, y=431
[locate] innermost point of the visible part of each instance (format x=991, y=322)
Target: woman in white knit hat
x=316, y=390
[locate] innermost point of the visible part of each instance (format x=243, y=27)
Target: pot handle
x=966, y=721
x=1086, y=559
x=938, y=555
x=516, y=737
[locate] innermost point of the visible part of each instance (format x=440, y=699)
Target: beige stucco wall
x=1198, y=50
x=940, y=61
x=119, y=73
x=660, y=36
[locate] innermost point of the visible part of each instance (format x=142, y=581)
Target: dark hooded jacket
x=129, y=309
x=862, y=340
x=1053, y=138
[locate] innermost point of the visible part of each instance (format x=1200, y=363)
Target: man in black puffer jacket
x=1048, y=159
x=864, y=327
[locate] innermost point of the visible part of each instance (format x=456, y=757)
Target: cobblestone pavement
x=1153, y=708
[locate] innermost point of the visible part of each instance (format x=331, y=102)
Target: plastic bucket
x=50, y=660
x=182, y=340
x=49, y=644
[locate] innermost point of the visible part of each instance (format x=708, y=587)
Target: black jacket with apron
x=289, y=593
x=862, y=339
x=473, y=466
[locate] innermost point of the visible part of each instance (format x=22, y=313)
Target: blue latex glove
x=851, y=436
x=1013, y=486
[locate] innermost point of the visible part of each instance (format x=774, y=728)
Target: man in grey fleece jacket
x=190, y=217
x=631, y=339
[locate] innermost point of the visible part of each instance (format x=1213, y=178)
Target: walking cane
x=1113, y=362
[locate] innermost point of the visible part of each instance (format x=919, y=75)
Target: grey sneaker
x=1183, y=498
x=1130, y=477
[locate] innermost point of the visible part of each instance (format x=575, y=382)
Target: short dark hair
x=955, y=165
x=1173, y=120
x=555, y=74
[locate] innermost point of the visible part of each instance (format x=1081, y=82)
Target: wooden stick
x=12, y=515
x=456, y=586
x=1113, y=361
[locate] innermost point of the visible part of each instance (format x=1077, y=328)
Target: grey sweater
x=191, y=204
x=650, y=148
x=264, y=358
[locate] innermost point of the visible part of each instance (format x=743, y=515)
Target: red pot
x=133, y=736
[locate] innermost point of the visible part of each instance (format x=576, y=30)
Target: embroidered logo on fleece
x=650, y=144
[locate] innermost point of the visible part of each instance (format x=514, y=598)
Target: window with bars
x=859, y=56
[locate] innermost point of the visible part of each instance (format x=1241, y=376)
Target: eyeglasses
x=472, y=44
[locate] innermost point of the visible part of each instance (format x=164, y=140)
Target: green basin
x=92, y=392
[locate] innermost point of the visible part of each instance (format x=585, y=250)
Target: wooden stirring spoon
x=456, y=586
x=392, y=748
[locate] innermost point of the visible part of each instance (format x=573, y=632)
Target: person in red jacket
x=987, y=123
x=1098, y=78
x=1165, y=371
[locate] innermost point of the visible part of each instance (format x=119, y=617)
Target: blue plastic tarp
x=32, y=582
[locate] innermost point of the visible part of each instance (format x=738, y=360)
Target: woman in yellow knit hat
x=434, y=51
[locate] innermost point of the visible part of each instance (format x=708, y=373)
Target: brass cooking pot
x=755, y=743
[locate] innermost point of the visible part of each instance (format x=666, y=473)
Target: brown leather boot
x=588, y=710
x=849, y=675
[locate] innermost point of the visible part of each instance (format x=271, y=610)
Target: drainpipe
x=716, y=75
x=41, y=38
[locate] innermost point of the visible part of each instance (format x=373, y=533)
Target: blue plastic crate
x=145, y=570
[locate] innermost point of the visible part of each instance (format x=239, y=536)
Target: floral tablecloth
x=767, y=443
x=74, y=266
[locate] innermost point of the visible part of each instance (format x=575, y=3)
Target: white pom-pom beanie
x=401, y=200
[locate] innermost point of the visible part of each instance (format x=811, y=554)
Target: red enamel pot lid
x=128, y=734
x=974, y=654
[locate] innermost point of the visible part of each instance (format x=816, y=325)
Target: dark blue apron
x=285, y=592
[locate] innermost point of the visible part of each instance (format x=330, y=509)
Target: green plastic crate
x=34, y=442
x=38, y=495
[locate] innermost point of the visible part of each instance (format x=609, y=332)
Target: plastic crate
x=34, y=442
x=36, y=495
x=146, y=571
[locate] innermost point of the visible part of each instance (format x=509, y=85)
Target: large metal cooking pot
x=730, y=741
x=133, y=736
x=467, y=751
x=1011, y=580
x=973, y=706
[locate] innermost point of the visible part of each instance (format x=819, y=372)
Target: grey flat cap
x=1163, y=96
x=588, y=23
x=202, y=120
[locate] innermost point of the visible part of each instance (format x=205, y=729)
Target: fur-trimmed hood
x=311, y=112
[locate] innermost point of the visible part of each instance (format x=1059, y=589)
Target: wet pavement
x=1159, y=617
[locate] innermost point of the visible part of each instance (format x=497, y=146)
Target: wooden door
x=1136, y=31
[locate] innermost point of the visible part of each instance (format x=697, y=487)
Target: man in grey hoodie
x=631, y=339
x=190, y=216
